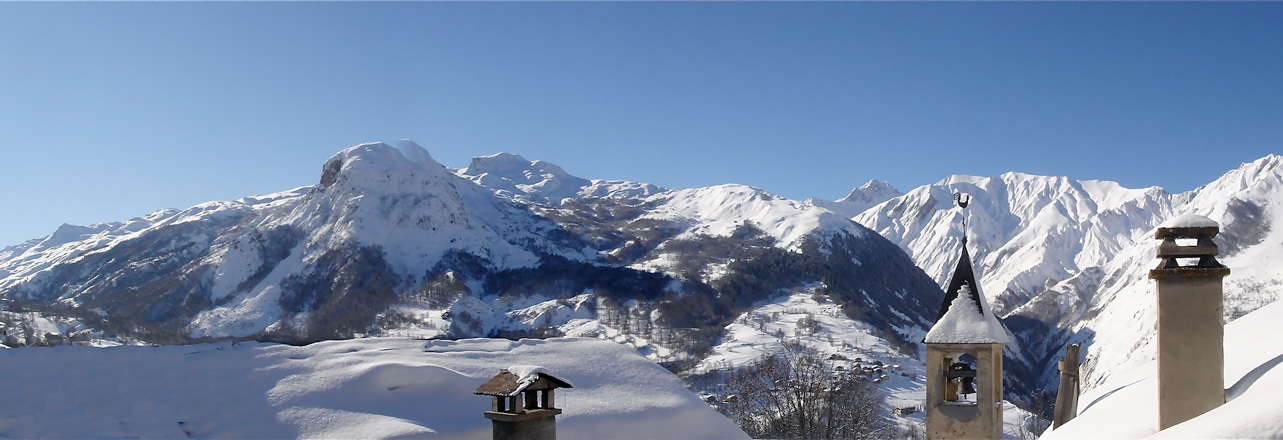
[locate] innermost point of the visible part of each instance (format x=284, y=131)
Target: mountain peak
x=412, y=151
x=370, y=160
x=1270, y=162
x=1250, y=174
x=513, y=176
x=872, y=192
x=859, y=199
x=496, y=162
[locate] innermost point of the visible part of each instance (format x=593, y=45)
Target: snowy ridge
x=1017, y=222
x=859, y=199
x=378, y=205
x=391, y=242
x=397, y=199
x=720, y=210
x=1249, y=245
x=1066, y=260
x=411, y=206
x=512, y=176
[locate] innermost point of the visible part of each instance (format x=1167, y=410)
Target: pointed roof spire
x=964, y=315
x=963, y=275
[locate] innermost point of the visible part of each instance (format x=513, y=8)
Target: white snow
x=1076, y=254
x=513, y=176
x=366, y=388
x=1127, y=405
x=758, y=332
x=859, y=199
x=719, y=210
x=1189, y=220
x=963, y=323
x=528, y=374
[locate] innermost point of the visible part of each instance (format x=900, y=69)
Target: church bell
x=968, y=385
x=964, y=374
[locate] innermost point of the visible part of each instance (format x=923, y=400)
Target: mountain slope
x=861, y=198
x=1067, y=260
x=379, y=221
x=390, y=242
x=512, y=176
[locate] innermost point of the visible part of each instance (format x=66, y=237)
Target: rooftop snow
x=1189, y=221
x=964, y=323
x=528, y=374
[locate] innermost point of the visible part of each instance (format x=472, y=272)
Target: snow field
x=753, y=336
x=365, y=388
x=1127, y=405
x=719, y=210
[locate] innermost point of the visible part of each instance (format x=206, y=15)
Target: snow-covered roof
x=518, y=378
x=964, y=316
x=965, y=323
x=1189, y=221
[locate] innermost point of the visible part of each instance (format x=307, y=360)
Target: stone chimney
x=523, y=406
x=1191, y=357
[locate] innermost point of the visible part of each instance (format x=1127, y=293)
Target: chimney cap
x=508, y=384
x=1188, y=226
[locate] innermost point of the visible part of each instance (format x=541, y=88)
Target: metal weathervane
x=963, y=200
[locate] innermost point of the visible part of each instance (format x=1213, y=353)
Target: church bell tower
x=964, y=358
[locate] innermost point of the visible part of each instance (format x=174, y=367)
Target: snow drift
x=1127, y=405
x=366, y=388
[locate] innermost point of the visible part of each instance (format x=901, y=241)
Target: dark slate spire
x=962, y=275
x=962, y=272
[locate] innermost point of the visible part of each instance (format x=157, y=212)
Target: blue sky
x=112, y=110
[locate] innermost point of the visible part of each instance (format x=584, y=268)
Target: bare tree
x=797, y=394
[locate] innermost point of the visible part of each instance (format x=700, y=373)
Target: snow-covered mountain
x=861, y=198
x=391, y=242
x=512, y=176
x=1066, y=261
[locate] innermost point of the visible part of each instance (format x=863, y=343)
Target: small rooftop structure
x=517, y=378
x=523, y=406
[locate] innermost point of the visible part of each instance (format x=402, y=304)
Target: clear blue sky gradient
x=113, y=110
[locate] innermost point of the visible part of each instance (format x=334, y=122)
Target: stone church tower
x=964, y=361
